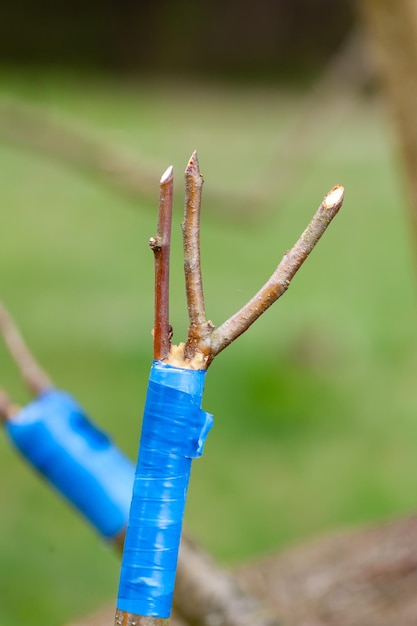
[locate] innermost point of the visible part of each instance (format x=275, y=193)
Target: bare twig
x=161, y=246
x=130, y=619
x=34, y=376
x=191, y=241
x=280, y=280
x=198, y=329
x=7, y=407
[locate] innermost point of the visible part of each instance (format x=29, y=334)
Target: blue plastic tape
x=174, y=430
x=79, y=460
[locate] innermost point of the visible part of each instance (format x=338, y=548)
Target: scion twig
x=161, y=245
x=280, y=280
x=197, y=330
x=32, y=373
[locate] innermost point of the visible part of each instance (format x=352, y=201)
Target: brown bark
x=207, y=594
x=392, y=26
x=280, y=280
x=363, y=577
x=161, y=246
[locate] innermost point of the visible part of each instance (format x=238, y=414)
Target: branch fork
x=204, y=341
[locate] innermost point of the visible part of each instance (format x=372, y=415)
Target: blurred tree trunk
x=392, y=26
x=362, y=577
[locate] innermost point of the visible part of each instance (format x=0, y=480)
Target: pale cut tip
x=193, y=164
x=334, y=197
x=169, y=173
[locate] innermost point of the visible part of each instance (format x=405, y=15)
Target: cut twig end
x=193, y=169
x=334, y=197
x=167, y=175
x=193, y=165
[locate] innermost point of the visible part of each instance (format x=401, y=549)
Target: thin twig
x=192, y=262
x=32, y=373
x=7, y=407
x=280, y=280
x=161, y=246
x=191, y=242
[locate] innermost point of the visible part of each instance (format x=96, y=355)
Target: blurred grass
x=315, y=407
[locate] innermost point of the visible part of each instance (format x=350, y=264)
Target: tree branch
x=34, y=376
x=7, y=408
x=161, y=245
x=280, y=280
x=35, y=129
x=192, y=261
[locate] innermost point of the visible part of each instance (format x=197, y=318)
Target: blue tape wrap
x=79, y=460
x=174, y=430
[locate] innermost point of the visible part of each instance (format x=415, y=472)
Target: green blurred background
x=315, y=407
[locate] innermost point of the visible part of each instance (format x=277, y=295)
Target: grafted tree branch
x=204, y=342
x=204, y=345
